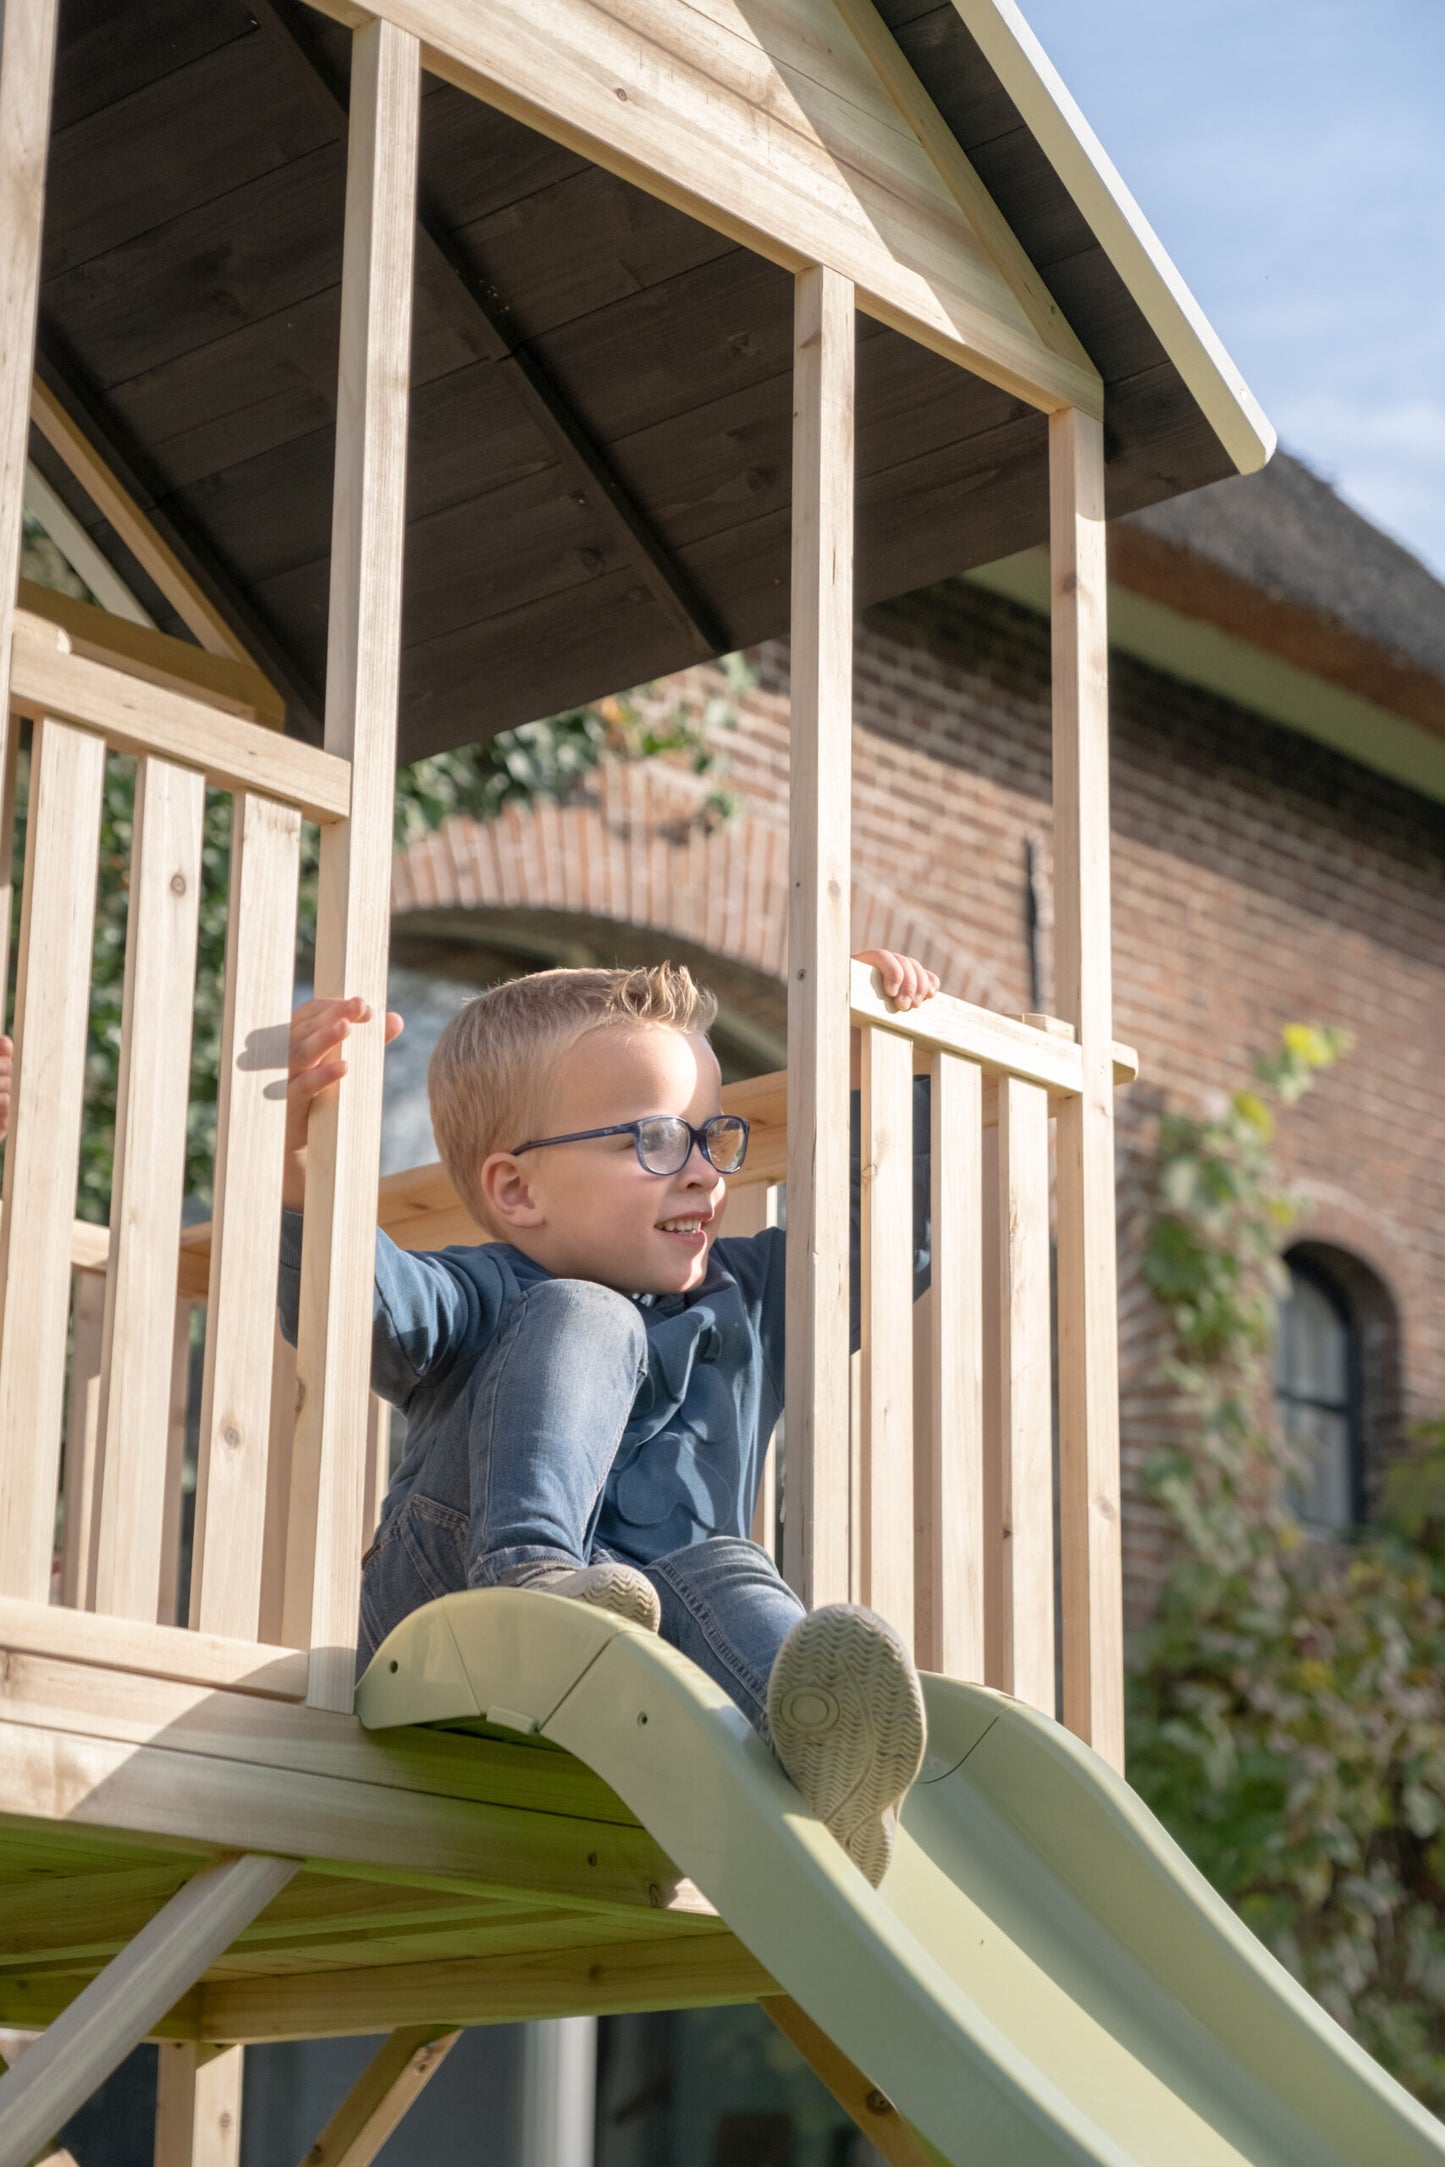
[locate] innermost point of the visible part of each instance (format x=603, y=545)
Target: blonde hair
x=493, y=1063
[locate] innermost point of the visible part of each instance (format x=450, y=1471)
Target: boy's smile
x=591, y=1210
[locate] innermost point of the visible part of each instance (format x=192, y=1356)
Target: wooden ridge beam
x=484, y=321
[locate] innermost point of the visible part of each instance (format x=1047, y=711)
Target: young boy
x=589, y=1395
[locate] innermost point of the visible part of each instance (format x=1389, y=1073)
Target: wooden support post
x=230, y=1530
x=948, y=1486
x=115, y=2012
x=150, y=1166
x=42, y=1154
x=27, y=66
x=873, y=2112
x=396, y=2074
x=1093, y=1666
x=1025, y=1412
x=353, y=919
x=886, y=1260
x=819, y=876
x=198, y=2104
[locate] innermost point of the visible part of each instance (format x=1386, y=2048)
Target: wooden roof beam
x=484, y=321
x=184, y=568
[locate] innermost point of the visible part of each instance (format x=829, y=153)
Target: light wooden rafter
x=396, y=2075
x=197, y=589
x=785, y=138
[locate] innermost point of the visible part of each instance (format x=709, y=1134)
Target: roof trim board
x=1123, y=232
x=1217, y=661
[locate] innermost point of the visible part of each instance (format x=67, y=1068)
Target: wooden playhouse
x=632, y=332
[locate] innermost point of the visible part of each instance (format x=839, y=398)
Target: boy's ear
x=507, y=1191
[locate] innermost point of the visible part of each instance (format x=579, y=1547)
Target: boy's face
x=591, y=1210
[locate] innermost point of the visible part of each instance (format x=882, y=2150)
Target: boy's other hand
x=905, y=980
x=314, y=1065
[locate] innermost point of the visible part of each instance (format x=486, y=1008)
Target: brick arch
x=634, y=848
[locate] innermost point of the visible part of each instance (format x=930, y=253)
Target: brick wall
x=1258, y=879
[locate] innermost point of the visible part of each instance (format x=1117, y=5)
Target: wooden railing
x=108, y=1307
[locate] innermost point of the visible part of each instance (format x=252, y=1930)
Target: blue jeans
x=548, y=1403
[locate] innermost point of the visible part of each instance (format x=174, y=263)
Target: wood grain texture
x=1091, y=1561
x=137, y=717
x=148, y=1185
x=1025, y=1396
x=82, y=1431
x=155, y=1651
x=43, y=1151
x=816, y=1386
x=198, y=2105
x=791, y=156
x=99, y=635
x=168, y=1596
x=27, y=67
x=885, y=1500
x=353, y=913
x=396, y=2075
x=235, y=1425
x=116, y=2011
x=948, y=1485
x=610, y=1978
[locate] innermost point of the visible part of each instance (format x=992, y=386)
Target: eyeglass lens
x=665, y=1144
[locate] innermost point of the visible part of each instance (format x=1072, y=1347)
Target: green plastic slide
x=1042, y=1978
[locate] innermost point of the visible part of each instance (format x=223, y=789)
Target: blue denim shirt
x=691, y=1456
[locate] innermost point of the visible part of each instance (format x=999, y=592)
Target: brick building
x=1278, y=698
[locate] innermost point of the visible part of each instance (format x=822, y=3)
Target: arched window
x=1317, y=1399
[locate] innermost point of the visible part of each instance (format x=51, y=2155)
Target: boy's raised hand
x=905, y=980
x=314, y=1065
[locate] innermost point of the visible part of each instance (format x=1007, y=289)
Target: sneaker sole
x=616, y=1588
x=846, y=1718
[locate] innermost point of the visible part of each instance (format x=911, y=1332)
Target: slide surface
x=1042, y=1978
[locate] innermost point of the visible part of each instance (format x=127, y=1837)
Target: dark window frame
x=1305, y=1269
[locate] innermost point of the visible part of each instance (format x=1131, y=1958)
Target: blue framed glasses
x=664, y=1141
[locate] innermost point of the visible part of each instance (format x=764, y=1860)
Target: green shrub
x=1287, y=1714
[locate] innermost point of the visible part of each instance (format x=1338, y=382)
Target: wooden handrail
x=137, y=715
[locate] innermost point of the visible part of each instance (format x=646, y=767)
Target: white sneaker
x=618, y=1588
x=845, y=1714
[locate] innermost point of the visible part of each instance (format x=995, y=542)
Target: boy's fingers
x=308, y=1083
x=395, y=1025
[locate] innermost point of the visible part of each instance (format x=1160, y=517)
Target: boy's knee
x=591, y=1311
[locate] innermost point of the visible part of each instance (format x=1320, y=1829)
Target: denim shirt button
x=709, y=1343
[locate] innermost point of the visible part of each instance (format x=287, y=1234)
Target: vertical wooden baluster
x=82, y=1424
x=887, y=1313
x=8, y=776
x=1088, y=1298
x=27, y=66
x=226, y=1555
x=948, y=1498
x=168, y=1600
x=363, y=656
x=198, y=2105
x=42, y=1156
x=149, y=1181
x=282, y=1436
x=1025, y=1378
x=996, y=1547
x=820, y=799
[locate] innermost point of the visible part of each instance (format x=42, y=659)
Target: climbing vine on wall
x=1287, y=1715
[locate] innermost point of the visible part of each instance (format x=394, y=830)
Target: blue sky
x=1291, y=156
